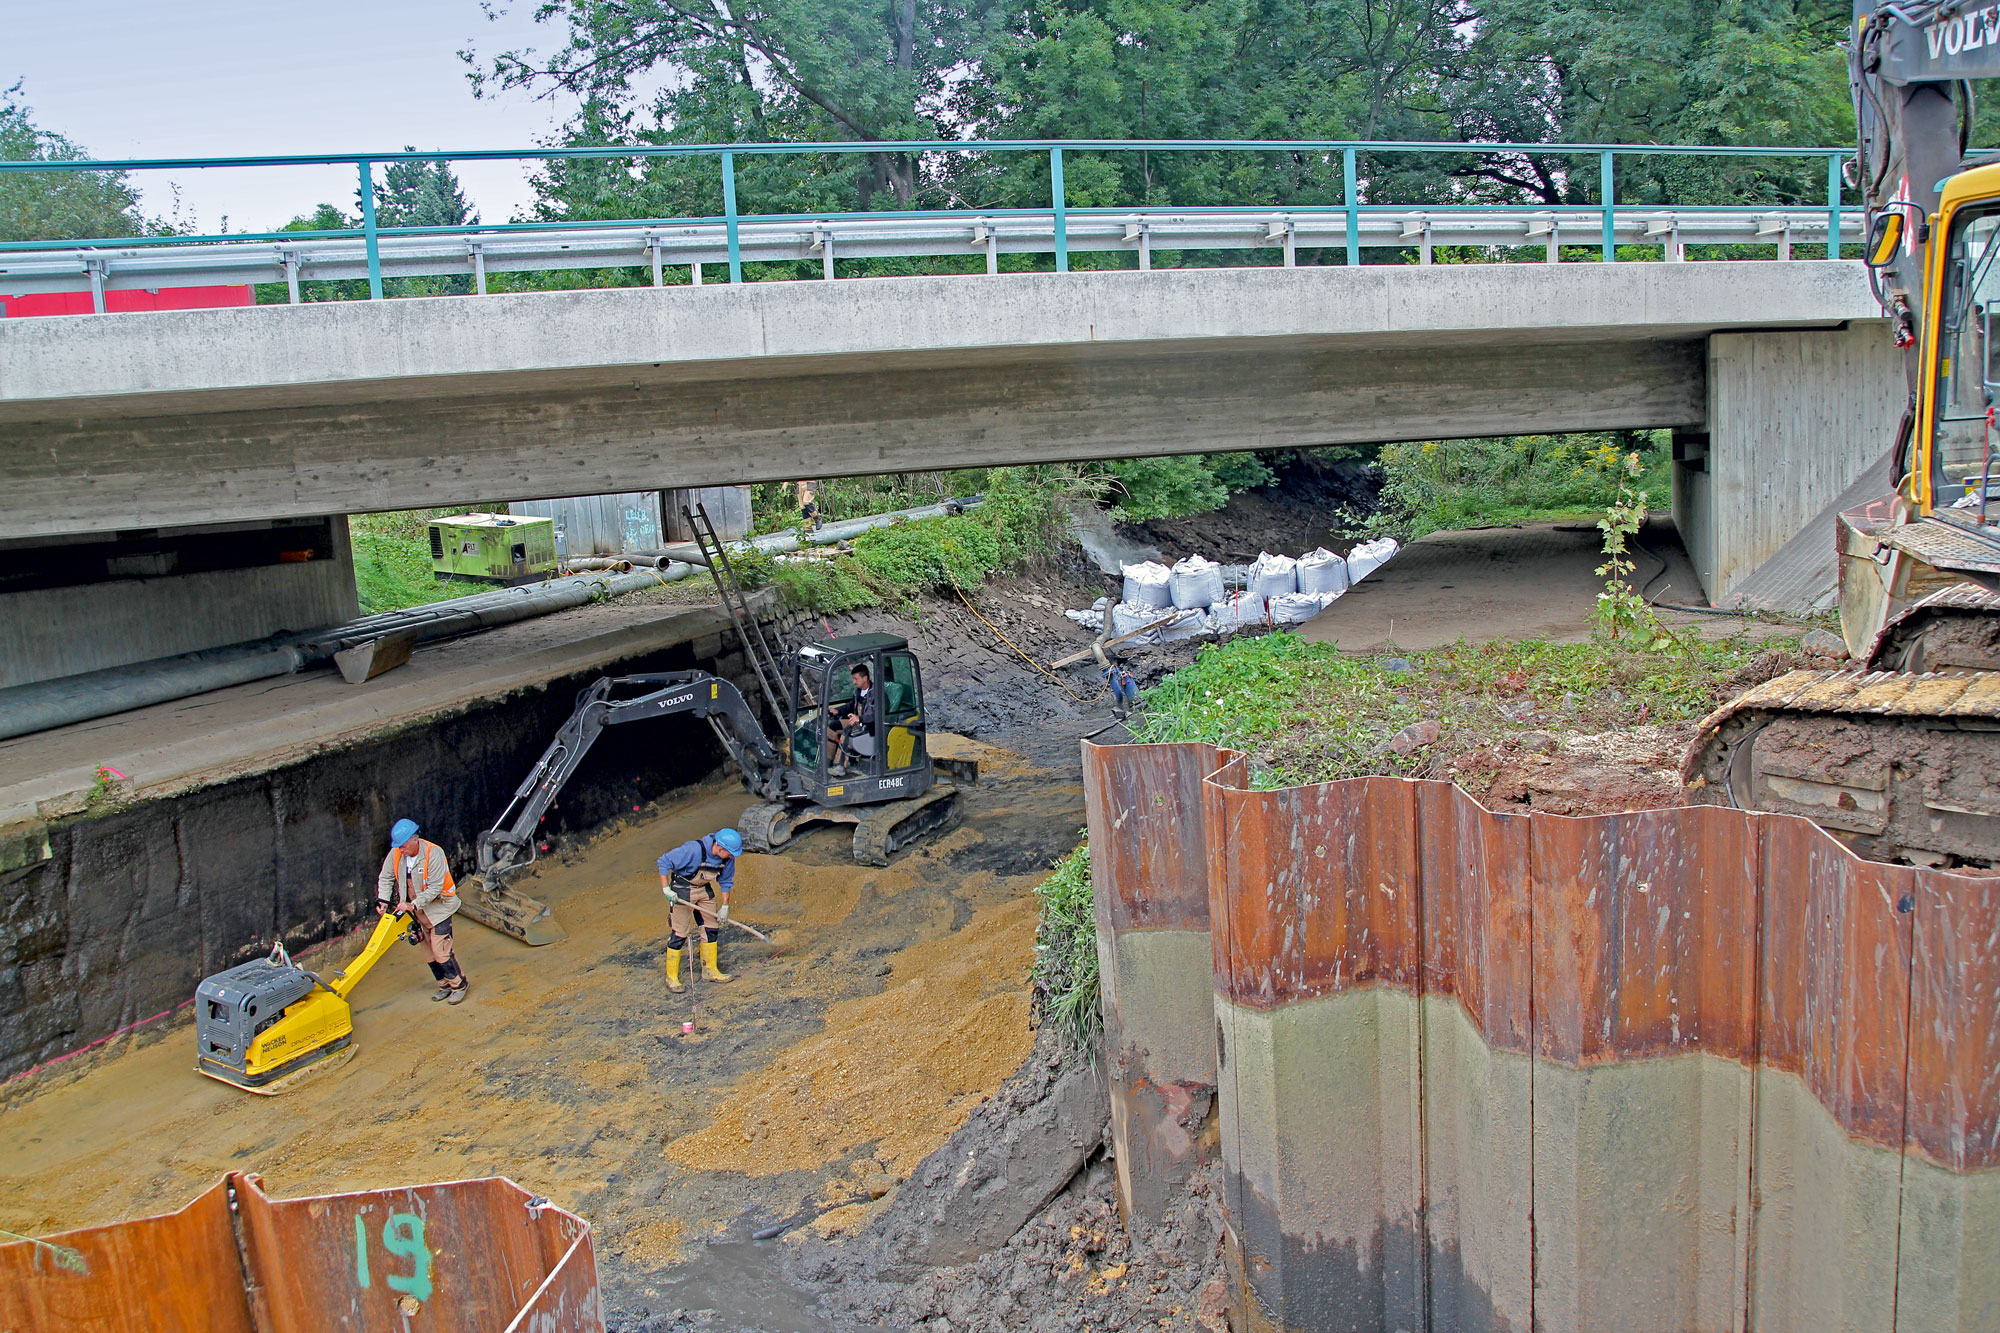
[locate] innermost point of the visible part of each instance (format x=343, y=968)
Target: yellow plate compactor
x=264, y=1025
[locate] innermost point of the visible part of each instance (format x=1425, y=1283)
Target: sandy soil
x=890, y=1002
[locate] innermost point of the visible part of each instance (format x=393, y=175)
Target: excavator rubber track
x=1900, y=767
x=1954, y=630
x=884, y=830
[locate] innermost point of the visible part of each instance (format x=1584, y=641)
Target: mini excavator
x=1901, y=759
x=893, y=796
x=263, y=1026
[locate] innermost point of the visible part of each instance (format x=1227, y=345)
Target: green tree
x=59, y=206
x=421, y=194
x=770, y=69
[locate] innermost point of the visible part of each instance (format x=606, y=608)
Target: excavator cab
x=892, y=759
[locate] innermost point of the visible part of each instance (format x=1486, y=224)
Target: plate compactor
x=262, y=1026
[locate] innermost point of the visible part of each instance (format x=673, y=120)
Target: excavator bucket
x=510, y=912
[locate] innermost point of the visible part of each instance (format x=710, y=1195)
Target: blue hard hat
x=405, y=830
x=729, y=840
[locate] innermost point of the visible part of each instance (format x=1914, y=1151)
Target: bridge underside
x=149, y=420
x=584, y=433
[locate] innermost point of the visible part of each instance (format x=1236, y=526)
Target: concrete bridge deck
x=149, y=420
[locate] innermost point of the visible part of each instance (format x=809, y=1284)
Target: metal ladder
x=730, y=588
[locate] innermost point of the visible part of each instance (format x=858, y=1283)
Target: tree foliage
x=1530, y=71
x=59, y=206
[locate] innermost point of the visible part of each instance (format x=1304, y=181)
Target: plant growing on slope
x=1066, y=978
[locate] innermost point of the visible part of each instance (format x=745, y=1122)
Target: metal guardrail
x=660, y=245
x=733, y=238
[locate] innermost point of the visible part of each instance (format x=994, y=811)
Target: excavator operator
x=415, y=879
x=696, y=877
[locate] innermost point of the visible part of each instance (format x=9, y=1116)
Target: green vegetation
x=1147, y=488
x=1020, y=518
x=1308, y=712
x=1438, y=485
x=1066, y=978
x=392, y=560
x=71, y=205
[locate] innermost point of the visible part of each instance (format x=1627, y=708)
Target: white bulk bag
x=1295, y=608
x=1146, y=584
x=1195, y=584
x=1234, y=613
x=1127, y=617
x=1186, y=625
x=1322, y=572
x=1368, y=557
x=1272, y=576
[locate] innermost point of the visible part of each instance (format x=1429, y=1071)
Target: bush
x=1149, y=488
x=1434, y=485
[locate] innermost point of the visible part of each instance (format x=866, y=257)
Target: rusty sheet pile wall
x=1690, y=1068
x=471, y=1256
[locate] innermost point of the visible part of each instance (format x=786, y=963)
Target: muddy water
x=891, y=1002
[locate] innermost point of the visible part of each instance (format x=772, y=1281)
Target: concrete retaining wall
x=1687, y=1069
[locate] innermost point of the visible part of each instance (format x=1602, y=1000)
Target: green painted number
x=403, y=1234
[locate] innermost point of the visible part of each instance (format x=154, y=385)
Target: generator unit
x=493, y=548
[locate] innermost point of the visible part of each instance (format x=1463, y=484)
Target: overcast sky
x=225, y=78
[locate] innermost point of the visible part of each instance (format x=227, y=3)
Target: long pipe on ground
x=46, y=704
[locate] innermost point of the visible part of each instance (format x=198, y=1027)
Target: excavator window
x=902, y=704
x=1959, y=453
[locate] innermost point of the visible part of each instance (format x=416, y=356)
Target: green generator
x=493, y=548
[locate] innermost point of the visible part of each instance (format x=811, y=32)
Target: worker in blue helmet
x=696, y=877
x=416, y=880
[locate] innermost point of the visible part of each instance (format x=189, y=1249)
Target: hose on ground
x=1645, y=588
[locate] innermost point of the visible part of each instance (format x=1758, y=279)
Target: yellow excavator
x=1901, y=758
x=264, y=1025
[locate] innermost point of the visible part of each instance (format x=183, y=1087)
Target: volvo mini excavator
x=1901, y=758
x=894, y=795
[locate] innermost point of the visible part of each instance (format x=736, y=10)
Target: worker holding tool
x=416, y=880
x=696, y=877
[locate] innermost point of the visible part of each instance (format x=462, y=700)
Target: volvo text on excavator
x=1901, y=759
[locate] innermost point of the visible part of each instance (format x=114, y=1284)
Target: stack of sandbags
x=1322, y=573
x=1186, y=625
x=1195, y=584
x=1368, y=557
x=1271, y=576
x=1147, y=585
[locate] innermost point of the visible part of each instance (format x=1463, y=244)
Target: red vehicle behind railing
x=118, y=302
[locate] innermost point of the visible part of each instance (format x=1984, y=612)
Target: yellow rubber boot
x=674, y=971
x=709, y=971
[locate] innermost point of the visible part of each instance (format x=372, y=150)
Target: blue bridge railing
x=732, y=238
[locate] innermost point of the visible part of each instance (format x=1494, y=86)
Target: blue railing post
x=1833, y=207
x=368, y=230
x=1061, y=207
x=1348, y=194
x=729, y=216
x=1606, y=196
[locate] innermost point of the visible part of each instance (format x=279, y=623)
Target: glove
x=724, y=913
x=672, y=897
x=381, y=907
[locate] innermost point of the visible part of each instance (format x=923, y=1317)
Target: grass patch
x=1066, y=978
x=392, y=560
x=1307, y=712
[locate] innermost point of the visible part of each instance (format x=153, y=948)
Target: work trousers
x=682, y=917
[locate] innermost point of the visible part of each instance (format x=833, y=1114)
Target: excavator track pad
x=1955, y=629
x=1898, y=766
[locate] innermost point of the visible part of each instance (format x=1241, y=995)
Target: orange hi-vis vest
x=423, y=856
